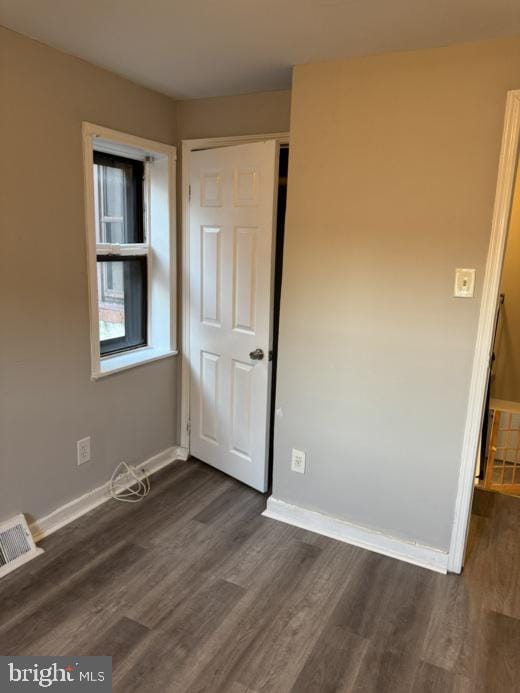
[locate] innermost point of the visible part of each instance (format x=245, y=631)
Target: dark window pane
x=122, y=296
x=118, y=184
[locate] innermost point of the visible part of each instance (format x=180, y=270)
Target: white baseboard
x=410, y=552
x=182, y=453
x=60, y=517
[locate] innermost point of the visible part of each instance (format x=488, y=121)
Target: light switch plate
x=464, y=283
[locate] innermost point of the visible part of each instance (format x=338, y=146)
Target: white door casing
x=232, y=216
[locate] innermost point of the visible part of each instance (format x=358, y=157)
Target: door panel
x=232, y=210
x=209, y=385
x=244, y=279
x=210, y=275
x=241, y=409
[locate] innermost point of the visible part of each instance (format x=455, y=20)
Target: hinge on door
x=188, y=426
x=189, y=193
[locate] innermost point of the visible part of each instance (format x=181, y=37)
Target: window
x=121, y=252
x=131, y=250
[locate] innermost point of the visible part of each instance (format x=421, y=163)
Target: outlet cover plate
x=298, y=461
x=83, y=449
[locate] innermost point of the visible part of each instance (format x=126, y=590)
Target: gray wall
x=47, y=398
x=392, y=177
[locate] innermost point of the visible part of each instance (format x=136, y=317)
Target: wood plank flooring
x=193, y=591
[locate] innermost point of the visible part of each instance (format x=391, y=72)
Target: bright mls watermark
x=80, y=674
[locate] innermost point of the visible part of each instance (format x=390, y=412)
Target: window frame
x=136, y=333
x=159, y=246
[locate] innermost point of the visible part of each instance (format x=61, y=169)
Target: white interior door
x=232, y=213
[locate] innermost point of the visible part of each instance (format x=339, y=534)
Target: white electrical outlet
x=298, y=461
x=83, y=447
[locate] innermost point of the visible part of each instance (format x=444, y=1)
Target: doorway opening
x=233, y=235
x=283, y=171
x=472, y=442
x=498, y=467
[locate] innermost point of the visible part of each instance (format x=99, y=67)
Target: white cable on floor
x=129, y=484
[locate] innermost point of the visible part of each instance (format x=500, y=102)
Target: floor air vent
x=16, y=544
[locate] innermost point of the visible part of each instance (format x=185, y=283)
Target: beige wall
x=246, y=114
x=47, y=398
x=506, y=381
x=392, y=176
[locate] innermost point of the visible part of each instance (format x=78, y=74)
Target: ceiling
x=198, y=48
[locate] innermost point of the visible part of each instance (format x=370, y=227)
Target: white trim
x=69, y=512
x=189, y=146
x=213, y=142
x=130, y=249
x=130, y=359
x=410, y=552
x=182, y=453
x=142, y=145
x=162, y=318
x=88, y=162
x=490, y=292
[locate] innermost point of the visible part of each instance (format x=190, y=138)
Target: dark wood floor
x=192, y=590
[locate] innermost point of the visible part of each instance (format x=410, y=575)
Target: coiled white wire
x=129, y=484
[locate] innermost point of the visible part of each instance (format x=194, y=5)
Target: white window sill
x=130, y=359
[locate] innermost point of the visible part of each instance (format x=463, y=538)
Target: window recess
x=129, y=184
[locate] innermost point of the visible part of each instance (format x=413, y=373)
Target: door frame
x=490, y=292
x=188, y=146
